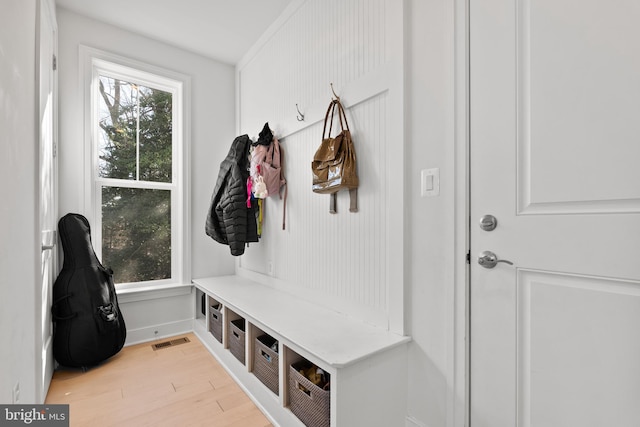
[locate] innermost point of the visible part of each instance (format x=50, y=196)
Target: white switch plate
x=430, y=182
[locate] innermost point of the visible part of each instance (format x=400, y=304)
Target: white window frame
x=93, y=63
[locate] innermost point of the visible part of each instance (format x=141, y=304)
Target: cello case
x=88, y=325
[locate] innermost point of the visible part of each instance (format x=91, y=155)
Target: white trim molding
x=94, y=61
x=458, y=346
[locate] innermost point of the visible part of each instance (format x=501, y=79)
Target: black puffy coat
x=229, y=220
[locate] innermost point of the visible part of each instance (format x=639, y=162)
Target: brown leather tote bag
x=334, y=163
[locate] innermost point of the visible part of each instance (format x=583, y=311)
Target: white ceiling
x=218, y=29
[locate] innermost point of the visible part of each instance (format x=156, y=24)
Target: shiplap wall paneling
x=349, y=261
x=335, y=41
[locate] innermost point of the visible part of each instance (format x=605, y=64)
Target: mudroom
x=334, y=213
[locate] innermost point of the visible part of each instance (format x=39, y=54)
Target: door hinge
x=55, y=63
x=469, y=257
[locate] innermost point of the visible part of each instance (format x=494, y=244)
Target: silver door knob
x=488, y=259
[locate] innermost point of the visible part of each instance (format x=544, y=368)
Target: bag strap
x=332, y=106
x=353, y=201
x=268, y=159
x=333, y=201
x=335, y=103
x=54, y=314
x=284, y=205
x=273, y=154
x=283, y=182
x=341, y=115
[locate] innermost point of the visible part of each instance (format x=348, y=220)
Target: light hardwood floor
x=182, y=385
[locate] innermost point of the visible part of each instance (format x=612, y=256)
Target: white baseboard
x=154, y=332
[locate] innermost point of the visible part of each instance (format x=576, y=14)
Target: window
x=137, y=196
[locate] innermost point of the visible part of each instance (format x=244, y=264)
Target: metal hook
x=300, y=117
x=334, y=92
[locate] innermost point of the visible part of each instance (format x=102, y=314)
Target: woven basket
x=265, y=362
x=236, y=339
x=215, y=319
x=312, y=407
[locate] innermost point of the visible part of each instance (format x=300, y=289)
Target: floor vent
x=171, y=343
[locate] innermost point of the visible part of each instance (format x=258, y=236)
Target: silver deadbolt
x=488, y=259
x=488, y=222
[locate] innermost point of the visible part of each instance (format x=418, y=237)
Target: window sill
x=143, y=293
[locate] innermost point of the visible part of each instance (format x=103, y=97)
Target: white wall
x=19, y=240
x=430, y=233
x=302, y=69
x=212, y=130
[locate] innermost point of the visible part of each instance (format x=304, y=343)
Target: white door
x=555, y=158
x=48, y=187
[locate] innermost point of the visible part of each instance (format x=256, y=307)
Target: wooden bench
x=367, y=365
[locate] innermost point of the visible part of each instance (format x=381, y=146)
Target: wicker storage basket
x=236, y=339
x=312, y=406
x=215, y=319
x=265, y=362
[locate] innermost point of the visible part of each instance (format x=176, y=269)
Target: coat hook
x=334, y=92
x=300, y=116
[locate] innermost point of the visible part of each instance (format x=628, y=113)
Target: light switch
x=430, y=182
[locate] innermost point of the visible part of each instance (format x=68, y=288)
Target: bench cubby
x=366, y=365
